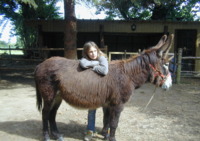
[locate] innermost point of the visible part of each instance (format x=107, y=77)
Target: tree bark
x=70, y=28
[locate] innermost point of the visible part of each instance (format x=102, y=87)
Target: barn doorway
x=130, y=42
x=186, y=40
x=119, y=42
x=54, y=40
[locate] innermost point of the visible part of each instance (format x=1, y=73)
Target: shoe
x=88, y=135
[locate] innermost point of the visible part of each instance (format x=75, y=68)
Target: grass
x=12, y=52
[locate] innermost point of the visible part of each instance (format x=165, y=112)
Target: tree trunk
x=70, y=30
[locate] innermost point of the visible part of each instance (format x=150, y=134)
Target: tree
x=181, y=10
x=18, y=11
x=29, y=2
x=70, y=30
x=46, y=10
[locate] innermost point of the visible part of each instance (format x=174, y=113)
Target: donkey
x=59, y=78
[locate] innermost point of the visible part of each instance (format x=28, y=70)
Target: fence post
x=178, y=75
x=125, y=54
x=10, y=54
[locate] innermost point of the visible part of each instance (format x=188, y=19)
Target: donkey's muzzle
x=167, y=83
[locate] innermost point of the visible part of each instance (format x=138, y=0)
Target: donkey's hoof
x=112, y=139
x=60, y=138
x=46, y=139
x=57, y=136
x=106, y=137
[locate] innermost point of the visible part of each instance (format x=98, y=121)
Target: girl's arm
x=84, y=63
x=102, y=68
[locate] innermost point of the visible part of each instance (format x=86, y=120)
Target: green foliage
x=3, y=44
x=173, y=10
x=46, y=10
x=31, y=3
x=19, y=11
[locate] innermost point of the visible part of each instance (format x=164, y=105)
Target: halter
x=159, y=73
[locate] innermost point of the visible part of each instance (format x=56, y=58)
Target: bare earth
x=171, y=116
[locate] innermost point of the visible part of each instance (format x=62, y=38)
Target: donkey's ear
x=164, y=49
x=161, y=42
x=170, y=58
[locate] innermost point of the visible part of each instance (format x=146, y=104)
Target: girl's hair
x=86, y=48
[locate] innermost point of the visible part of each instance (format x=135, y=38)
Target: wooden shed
x=120, y=35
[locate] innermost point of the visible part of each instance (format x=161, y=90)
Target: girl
x=93, y=58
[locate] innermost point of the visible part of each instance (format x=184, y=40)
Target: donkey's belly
x=81, y=102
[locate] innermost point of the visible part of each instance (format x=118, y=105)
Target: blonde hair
x=86, y=48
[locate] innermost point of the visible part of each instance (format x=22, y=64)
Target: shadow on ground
x=10, y=78
x=32, y=129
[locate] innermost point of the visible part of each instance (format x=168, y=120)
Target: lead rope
x=154, y=92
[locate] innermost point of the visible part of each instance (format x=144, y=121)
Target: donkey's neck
x=138, y=69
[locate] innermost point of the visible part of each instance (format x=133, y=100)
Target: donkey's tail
x=38, y=95
x=39, y=99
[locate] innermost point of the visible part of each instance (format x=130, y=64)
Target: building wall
x=141, y=26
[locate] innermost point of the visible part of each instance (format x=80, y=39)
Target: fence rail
x=47, y=49
x=190, y=57
x=40, y=51
x=121, y=53
x=179, y=64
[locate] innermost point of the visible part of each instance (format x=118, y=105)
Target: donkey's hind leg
x=52, y=118
x=48, y=108
x=45, y=119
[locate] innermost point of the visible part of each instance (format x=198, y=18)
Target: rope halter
x=159, y=73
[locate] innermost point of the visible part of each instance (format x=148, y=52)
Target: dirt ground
x=171, y=116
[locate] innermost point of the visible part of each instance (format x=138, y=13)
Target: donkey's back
x=53, y=64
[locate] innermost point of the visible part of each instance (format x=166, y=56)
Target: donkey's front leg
x=106, y=122
x=115, y=112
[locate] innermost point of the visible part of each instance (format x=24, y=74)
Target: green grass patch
x=12, y=52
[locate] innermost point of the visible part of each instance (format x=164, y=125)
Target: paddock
x=171, y=116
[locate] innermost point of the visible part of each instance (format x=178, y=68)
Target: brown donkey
x=59, y=78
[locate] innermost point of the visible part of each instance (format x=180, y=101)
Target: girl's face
x=92, y=53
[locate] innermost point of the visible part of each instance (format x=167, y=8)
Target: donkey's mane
x=137, y=62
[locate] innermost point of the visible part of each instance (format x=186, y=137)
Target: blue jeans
x=91, y=120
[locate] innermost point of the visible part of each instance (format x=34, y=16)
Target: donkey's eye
x=166, y=65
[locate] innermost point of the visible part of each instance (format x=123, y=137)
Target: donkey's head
x=159, y=71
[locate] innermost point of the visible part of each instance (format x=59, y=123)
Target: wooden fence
x=124, y=54
x=177, y=71
x=179, y=63
x=39, y=55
